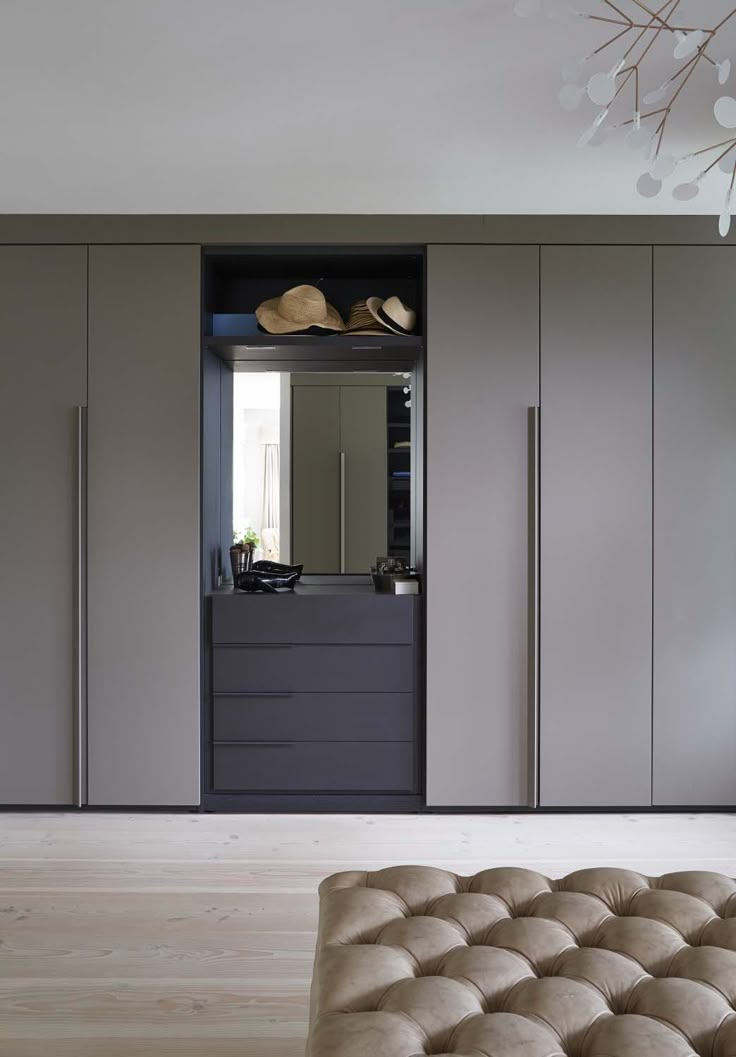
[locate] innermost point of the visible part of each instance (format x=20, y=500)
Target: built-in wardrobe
x=99, y=476
x=579, y=568
x=581, y=453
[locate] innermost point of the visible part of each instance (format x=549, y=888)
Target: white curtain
x=271, y=487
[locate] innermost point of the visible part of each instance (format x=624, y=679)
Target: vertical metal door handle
x=342, y=511
x=534, y=525
x=80, y=616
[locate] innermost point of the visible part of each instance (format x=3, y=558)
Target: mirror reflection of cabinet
x=339, y=439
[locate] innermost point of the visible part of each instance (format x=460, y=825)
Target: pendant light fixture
x=617, y=77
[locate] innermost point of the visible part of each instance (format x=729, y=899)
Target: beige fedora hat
x=393, y=314
x=360, y=321
x=297, y=309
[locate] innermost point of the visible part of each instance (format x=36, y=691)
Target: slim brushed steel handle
x=342, y=511
x=80, y=615
x=534, y=528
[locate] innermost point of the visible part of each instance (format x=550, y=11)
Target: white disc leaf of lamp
x=527, y=8
x=657, y=94
x=571, y=96
x=602, y=89
x=689, y=43
x=663, y=166
x=724, y=70
x=725, y=111
x=599, y=137
x=647, y=186
x=687, y=191
x=727, y=163
x=724, y=222
x=590, y=132
x=639, y=137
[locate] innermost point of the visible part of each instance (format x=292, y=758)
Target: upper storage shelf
x=238, y=280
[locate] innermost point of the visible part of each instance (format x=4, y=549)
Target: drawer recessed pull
x=265, y=744
x=266, y=645
x=250, y=693
x=253, y=645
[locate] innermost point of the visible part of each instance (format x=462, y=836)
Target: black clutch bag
x=261, y=580
x=277, y=568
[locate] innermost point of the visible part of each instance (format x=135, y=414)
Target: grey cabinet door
x=482, y=377
x=143, y=525
x=596, y=526
x=43, y=368
x=694, y=526
x=315, y=481
x=364, y=442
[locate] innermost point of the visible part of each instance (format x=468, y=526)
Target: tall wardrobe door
x=363, y=442
x=482, y=378
x=596, y=526
x=695, y=526
x=143, y=525
x=43, y=381
x=315, y=477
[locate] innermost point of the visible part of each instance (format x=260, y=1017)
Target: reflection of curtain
x=270, y=517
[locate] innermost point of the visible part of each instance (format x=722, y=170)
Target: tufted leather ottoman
x=508, y=963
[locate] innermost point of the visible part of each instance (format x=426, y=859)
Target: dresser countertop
x=302, y=589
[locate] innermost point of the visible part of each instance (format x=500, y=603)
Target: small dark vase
x=237, y=562
x=241, y=559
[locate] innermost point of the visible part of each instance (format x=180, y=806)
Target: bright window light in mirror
x=257, y=461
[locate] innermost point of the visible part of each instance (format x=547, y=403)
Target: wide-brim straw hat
x=360, y=321
x=392, y=314
x=298, y=309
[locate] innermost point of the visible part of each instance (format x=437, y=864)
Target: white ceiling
x=335, y=106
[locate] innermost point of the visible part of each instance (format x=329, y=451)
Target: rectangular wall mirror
x=324, y=467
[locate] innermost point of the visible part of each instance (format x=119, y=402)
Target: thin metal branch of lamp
x=631, y=38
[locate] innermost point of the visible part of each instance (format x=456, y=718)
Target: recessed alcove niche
x=344, y=419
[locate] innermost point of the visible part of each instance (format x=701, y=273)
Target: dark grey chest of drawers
x=313, y=702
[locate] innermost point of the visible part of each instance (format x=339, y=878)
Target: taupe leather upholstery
x=508, y=963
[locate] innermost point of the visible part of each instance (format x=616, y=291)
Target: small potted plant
x=241, y=552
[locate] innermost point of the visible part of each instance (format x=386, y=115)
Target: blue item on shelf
x=234, y=324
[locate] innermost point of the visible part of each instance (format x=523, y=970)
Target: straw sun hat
x=360, y=321
x=298, y=309
x=376, y=316
x=392, y=314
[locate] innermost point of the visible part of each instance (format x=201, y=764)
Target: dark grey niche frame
x=234, y=280
x=231, y=281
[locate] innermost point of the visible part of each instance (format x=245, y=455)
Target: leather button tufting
x=414, y=961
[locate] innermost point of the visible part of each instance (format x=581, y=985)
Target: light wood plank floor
x=146, y=935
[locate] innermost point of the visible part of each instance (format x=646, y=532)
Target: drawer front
x=313, y=619
x=313, y=669
x=316, y=766
x=314, y=717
